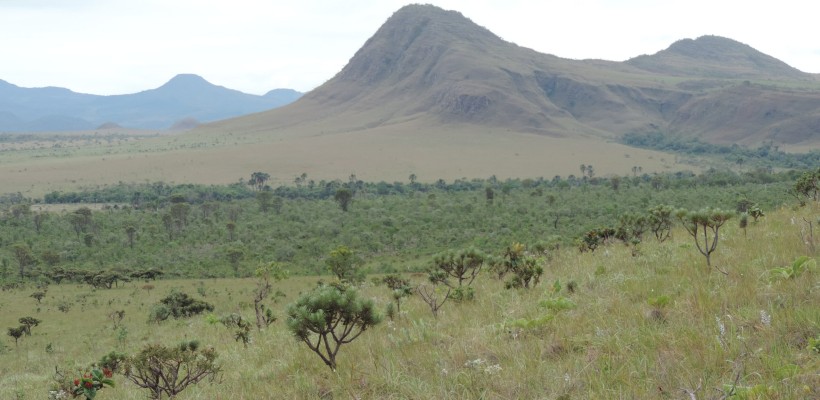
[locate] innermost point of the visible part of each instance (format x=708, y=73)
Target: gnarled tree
x=170, y=370
x=704, y=226
x=329, y=317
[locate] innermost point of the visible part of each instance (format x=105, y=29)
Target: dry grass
x=387, y=153
x=612, y=344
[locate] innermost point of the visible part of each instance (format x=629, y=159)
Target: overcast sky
x=117, y=47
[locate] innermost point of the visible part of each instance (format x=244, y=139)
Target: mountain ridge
x=435, y=67
x=183, y=96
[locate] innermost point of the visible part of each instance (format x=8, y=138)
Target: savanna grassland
x=645, y=319
x=389, y=153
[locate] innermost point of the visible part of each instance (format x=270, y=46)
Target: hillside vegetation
x=648, y=320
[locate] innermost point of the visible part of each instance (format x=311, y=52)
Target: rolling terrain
x=435, y=95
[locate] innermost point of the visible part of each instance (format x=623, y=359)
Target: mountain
x=715, y=57
x=184, y=96
x=434, y=95
x=427, y=68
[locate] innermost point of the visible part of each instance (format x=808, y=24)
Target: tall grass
x=743, y=332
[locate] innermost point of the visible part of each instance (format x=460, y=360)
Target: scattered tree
x=116, y=318
x=525, y=268
x=24, y=257
x=265, y=200
x=27, y=323
x=258, y=180
x=17, y=333
x=660, y=221
x=807, y=186
x=463, y=266
x=38, y=219
x=343, y=196
x=170, y=370
x=235, y=254
x=180, y=305
x=231, y=226
x=131, y=234
x=700, y=224
x=264, y=276
x=343, y=263
x=329, y=317
x=242, y=327
x=38, y=296
x=400, y=288
x=434, y=296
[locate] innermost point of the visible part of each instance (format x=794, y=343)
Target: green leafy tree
x=242, y=327
x=265, y=200
x=264, y=276
x=80, y=220
x=807, y=186
x=462, y=266
x=38, y=219
x=524, y=267
x=231, y=226
x=17, y=333
x=38, y=296
x=170, y=370
x=131, y=234
x=168, y=223
x=755, y=212
x=27, y=323
x=235, y=254
x=345, y=264
x=329, y=317
x=277, y=204
x=400, y=288
x=179, y=214
x=180, y=305
x=704, y=227
x=258, y=180
x=343, y=196
x=24, y=257
x=743, y=223
x=660, y=221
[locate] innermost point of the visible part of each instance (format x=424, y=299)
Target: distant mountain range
x=184, y=101
x=427, y=67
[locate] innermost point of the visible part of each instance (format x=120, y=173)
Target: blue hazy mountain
x=186, y=96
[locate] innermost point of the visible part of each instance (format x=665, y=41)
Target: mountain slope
x=184, y=96
x=429, y=68
x=715, y=57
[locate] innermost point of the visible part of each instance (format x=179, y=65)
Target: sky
x=125, y=46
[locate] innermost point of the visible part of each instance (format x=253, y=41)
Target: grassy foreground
x=657, y=325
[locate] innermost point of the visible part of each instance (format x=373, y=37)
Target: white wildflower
x=492, y=369
x=765, y=318
x=474, y=363
x=721, y=327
